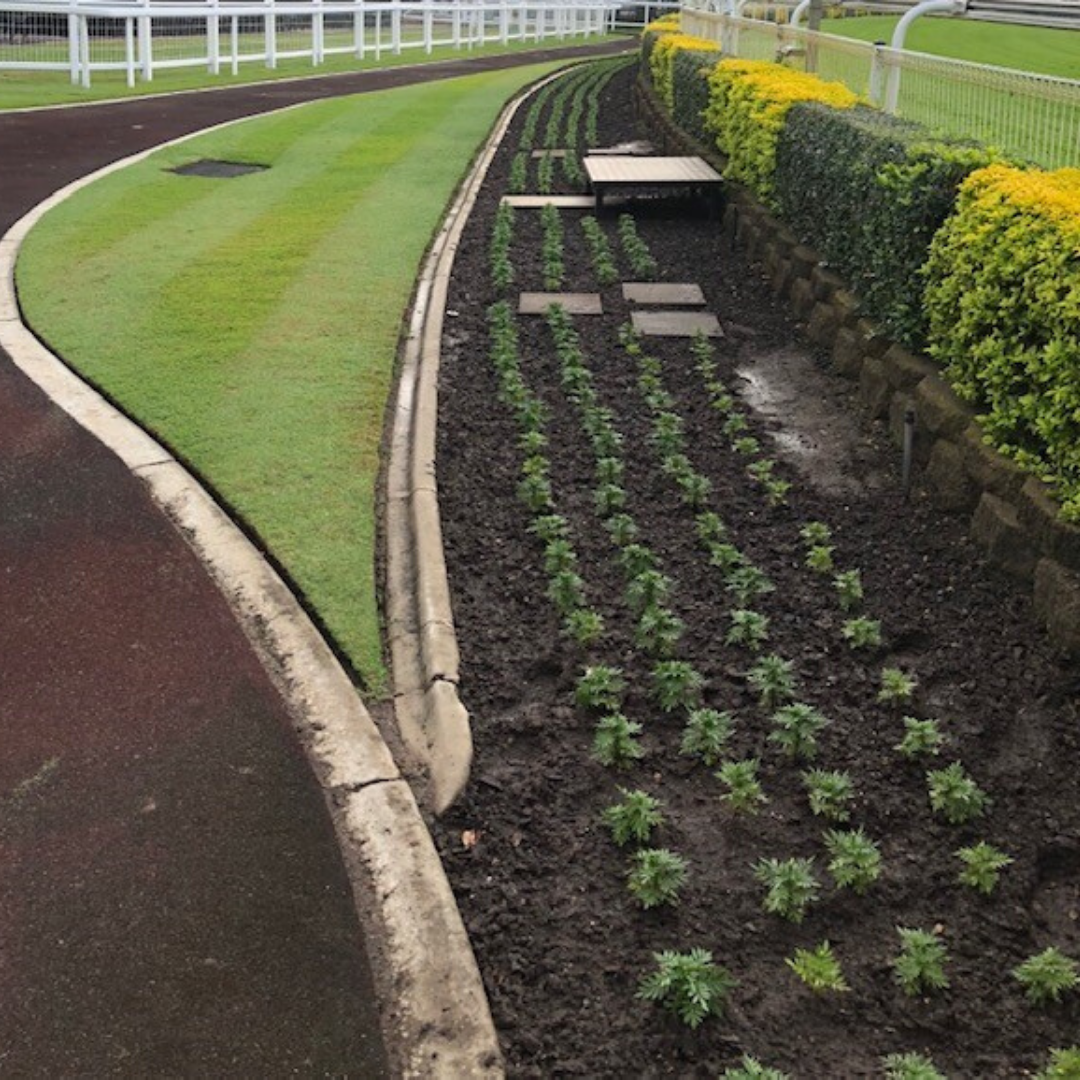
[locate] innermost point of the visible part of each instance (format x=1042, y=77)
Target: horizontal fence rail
x=140, y=37
x=1030, y=117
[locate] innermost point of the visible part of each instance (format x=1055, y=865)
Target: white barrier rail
x=140, y=37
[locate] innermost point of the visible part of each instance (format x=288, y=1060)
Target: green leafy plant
x=676, y=683
x=615, y=741
x=710, y=527
x=609, y=499
x=921, y=737
x=815, y=534
x=749, y=1068
x=920, y=964
x=559, y=554
x=633, y=818
x=635, y=559
x=790, y=886
x=549, y=527
x=609, y=470
x=647, y=589
x=776, y=491
x=658, y=631
x=734, y=425
x=1046, y=976
x=910, y=1067
x=621, y=528
x=1064, y=1064
x=746, y=445
x=896, y=686
x=819, y=969
x=726, y=557
x=706, y=735
x=830, y=793
x=748, y=628
x=862, y=633
x=744, y=793
x=600, y=687
x=983, y=864
x=695, y=489
x=584, y=625
x=636, y=250
x=567, y=591
x=854, y=859
x=688, y=984
x=955, y=795
x=849, y=589
x=656, y=876
x=535, y=492
x=795, y=729
x=820, y=559
x=746, y=583
x=772, y=679
x=761, y=470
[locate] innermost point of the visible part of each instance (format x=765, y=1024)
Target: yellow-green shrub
x=1003, y=302
x=662, y=62
x=651, y=36
x=748, y=101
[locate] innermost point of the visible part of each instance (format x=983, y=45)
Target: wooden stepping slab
x=537, y=303
x=657, y=292
x=676, y=323
x=536, y=202
x=549, y=153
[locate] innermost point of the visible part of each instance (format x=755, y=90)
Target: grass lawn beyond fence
x=252, y=323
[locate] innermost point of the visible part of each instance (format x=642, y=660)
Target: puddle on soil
x=813, y=420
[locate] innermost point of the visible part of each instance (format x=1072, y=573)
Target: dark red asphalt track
x=172, y=901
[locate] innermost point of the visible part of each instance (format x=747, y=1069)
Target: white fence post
x=429, y=27
x=395, y=31
x=234, y=43
x=318, y=33
x=129, y=52
x=213, y=40
x=146, y=42
x=84, y=51
x=270, y=30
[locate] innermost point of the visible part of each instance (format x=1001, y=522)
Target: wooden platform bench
x=635, y=175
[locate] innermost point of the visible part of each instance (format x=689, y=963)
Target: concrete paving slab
x=664, y=294
x=549, y=153
x=538, y=202
x=537, y=303
x=676, y=323
x=639, y=147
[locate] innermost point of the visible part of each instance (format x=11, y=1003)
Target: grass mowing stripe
x=253, y=327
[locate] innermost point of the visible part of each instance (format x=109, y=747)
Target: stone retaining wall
x=1011, y=514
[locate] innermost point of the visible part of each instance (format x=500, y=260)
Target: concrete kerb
x=435, y=1015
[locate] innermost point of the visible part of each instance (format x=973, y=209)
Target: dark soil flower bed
x=561, y=942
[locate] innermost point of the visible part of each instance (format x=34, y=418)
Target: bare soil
x=542, y=886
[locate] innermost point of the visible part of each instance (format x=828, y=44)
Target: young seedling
x=815, y=534
x=862, y=633
x=676, y=683
x=920, y=964
x=559, y=555
x=710, y=527
x=609, y=470
x=734, y=425
x=622, y=529
x=820, y=559
x=647, y=589
x=744, y=794
x=549, y=527
x=749, y=1068
x=921, y=738
x=772, y=679
x=725, y=557
x=830, y=793
x=635, y=559
x=609, y=499
x=910, y=1067
x=790, y=886
x=762, y=471
x=983, y=864
x=849, y=590
x=706, y=735
x=567, y=591
x=746, y=445
x=658, y=631
x=688, y=984
x=535, y=492
x=896, y=686
x=854, y=859
x=695, y=489
x=795, y=729
x=1064, y=1064
x=677, y=466
x=1047, y=975
x=747, y=583
x=633, y=818
x=776, y=491
x=819, y=969
x=748, y=628
x=585, y=626
x=600, y=687
x=656, y=876
x=532, y=443
x=615, y=741
x=955, y=795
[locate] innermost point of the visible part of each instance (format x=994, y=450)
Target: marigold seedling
x=677, y=466
x=532, y=442
x=689, y=984
x=706, y=735
x=656, y=875
x=776, y=491
x=790, y=886
x=920, y=964
x=1046, y=976
x=744, y=793
x=609, y=499
x=615, y=741
x=725, y=557
x=910, y=1067
x=633, y=818
x=600, y=687
x=585, y=626
x=676, y=683
x=636, y=559
x=849, y=590
x=535, y=493
x=983, y=864
x=862, y=633
x=762, y=470
x=747, y=583
x=955, y=795
x=854, y=859
x=1064, y=1064
x=710, y=527
x=647, y=589
x=819, y=969
x=795, y=729
x=748, y=628
x=921, y=737
x=820, y=559
x=559, y=555
x=609, y=470
x=749, y=1068
x=830, y=793
x=658, y=631
x=815, y=534
x=772, y=679
x=695, y=489
x=549, y=527
x=567, y=591
x=746, y=445
x=896, y=686
x=734, y=425
x=621, y=528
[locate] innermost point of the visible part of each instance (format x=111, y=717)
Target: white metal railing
x=1026, y=115
x=139, y=37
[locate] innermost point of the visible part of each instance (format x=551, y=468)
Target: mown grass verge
x=252, y=323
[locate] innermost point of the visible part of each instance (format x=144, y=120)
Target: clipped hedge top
x=1053, y=195
x=778, y=85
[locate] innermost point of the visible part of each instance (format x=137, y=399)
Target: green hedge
x=868, y=192
x=691, y=69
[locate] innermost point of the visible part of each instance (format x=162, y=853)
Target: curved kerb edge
x=435, y=1015
x=432, y=721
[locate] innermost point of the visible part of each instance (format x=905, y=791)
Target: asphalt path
x=172, y=899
